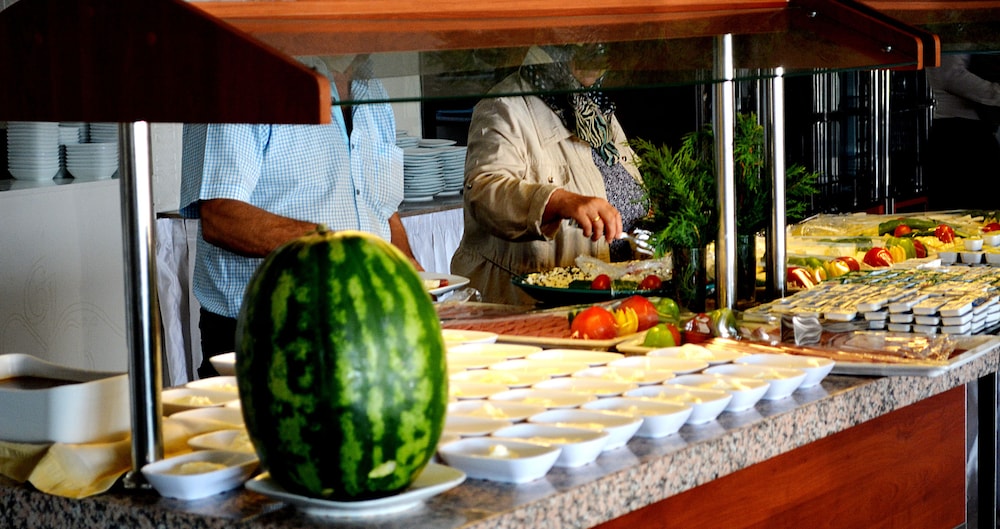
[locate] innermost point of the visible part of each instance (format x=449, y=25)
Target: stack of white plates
x=92, y=161
x=422, y=174
x=33, y=149
x=104, y=133
x=404, y=141
x=74, y=132
x=453, y=170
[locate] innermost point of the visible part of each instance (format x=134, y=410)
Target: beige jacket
x=519, y=153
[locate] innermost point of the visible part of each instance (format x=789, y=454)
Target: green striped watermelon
x=341, y=367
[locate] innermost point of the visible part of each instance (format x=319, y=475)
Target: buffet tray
x=968, y=349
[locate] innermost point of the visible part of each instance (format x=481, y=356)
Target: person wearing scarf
x=549, y=175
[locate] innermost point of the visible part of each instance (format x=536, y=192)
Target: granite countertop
x=620, y=481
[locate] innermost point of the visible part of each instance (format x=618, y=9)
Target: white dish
x=816, y=368
x=550, y=399
x=690, y=351
x=550, y=368
x=93, y=406
x=501, y=351
x=473, y=390
x=591, y=386
x=991, y=239
x=498, y=459
x=508, y=411
x=454, y=282
x=435, y=142
x=706, y=404
x=663, y=363
x=457, y=336
x=973, y=244
x=783, y=380
x=472, y=426
x=224, y=363
x=631, y=375
x=592, y=358
x=659, y=418
x=746, y=392
x=511, y=379
x=184, y=398
x=230, y=440
x=219, y=383
x=620, y=428
x=210, y=419
x=579, y=446
x=164, y=475
x=947, y=256
x=460, y=362
x=433, y=480
x=992, y=257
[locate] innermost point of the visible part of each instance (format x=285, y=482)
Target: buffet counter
x=891, y=449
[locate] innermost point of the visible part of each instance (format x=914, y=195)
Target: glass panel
x=961, y=26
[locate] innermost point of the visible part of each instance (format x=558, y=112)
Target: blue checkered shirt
x=306, y=172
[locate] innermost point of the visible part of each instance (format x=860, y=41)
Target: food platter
x=454, y=282
x=577, y=296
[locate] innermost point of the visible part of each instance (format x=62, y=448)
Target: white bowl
x=620, y=428
x=464, y=362
x=494, y=409
x=549, y=399
x=663, y=363
x=783, y=380
x=691, y=351
x=991, y=239
x=550, y=368
x=706, y=404
x=659, y=418
x=224, y=363
x=630, y=375
x=973, y=244
x=463, y=390
x=231, y=440
x=210, y=419
x=746, y=392
x=500, y=459
x=816, y=368
x=971, y=257
x=591, y=386
x=219, y=383
x=579, y=445
x=184, y=398
x=993, y=257
x=510, y=379
x=227, y=470
x=948, y=256
x=592, y=358
x=472, y=426
x=501, y=351
x=458, y=336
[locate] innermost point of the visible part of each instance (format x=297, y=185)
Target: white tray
x=975, y=346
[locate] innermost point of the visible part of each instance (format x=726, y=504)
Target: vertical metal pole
x=725, y=130
x=774, y=128
x=880, y=138
x=141, y=303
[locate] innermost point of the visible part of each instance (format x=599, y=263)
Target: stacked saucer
x=405, y=141
x=33, y=149
x=103, y=133
x=422, y=174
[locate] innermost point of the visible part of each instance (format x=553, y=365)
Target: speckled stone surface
x=620, y=481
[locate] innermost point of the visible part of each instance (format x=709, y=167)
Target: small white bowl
x=473, y=390
x=511, y=379
x=232, y=440
x=746, y=392
x=463, y=362
x=226, y=471
x=471, y=426
x=691, y=351
x=210, y=419
x=502, y=351
x=948, y=256
x=185, y=398
x=497, y=459
x=579, y=445
x=659, y=418
x=991, y=239
x=630, y=375
x=494, y=409
x=620, y=428
x=592, y=358
x=224, y=363
x=816, y=368
x=459, y=336
x=706, y=404
x=784, y=380
x=550, y=368
x=663, y=363
x=973, y=244
x=225, y=383
x=590, y=386
x=971, y=257
x=550, y=399
x=993, y=257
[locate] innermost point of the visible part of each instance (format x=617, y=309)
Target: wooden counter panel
x=903, y=470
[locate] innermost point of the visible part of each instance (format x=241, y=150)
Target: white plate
x=690, y=351
x=224, y=363
x=511, y=379
x=816, y=368
x=185, y=398
x=458, y=336
x=620, y=428
x=663, y=363
x=579, y=445
x=631, y=375
x=436, y=142
x=550, y=368
x=593, y=358
x=469, y=426
x=548, y=398
x=219, y=383
x=746, y=392
x=434, y=480
x=454, y=282
x=499, y=459
x=783, y=380
x=590, y=386
x=494, y=409
x=473, y=390
x=499, y=351
x=659, y=418
x=706, y=404
x=236, y=468
x=231, y=440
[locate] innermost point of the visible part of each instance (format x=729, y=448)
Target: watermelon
x=340, y=364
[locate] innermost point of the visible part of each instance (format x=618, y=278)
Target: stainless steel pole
x=724, y=127
x=774, y=127
x=142, y=313
x=881, y=87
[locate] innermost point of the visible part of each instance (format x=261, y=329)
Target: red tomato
x=852, y=263
x=594, y=323
x=601, y=282
x=644, y=310
x=944, y=233
x=993, y=226
x=920, y=249
x=902, y=230
x=651, y=282
x=878, y=257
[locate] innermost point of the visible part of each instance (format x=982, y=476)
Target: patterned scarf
x=586, y=111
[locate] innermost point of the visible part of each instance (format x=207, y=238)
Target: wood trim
x=902, y=470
